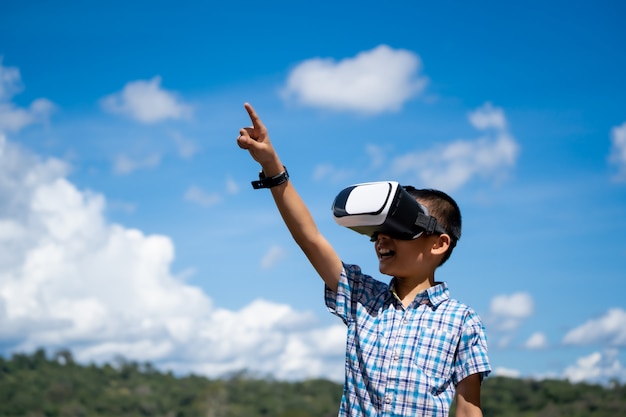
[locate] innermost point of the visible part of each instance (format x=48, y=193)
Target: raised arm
x=295, y=214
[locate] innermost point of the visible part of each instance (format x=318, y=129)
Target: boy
x=409, y=346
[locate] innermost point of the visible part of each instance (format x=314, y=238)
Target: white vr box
x=383, y=207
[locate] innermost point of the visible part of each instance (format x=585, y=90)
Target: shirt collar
x=434, y=295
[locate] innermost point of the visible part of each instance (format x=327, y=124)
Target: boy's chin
x=385, y=269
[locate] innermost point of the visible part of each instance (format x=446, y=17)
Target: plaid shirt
x=404, y=362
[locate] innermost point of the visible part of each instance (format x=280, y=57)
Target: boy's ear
x=441, y=245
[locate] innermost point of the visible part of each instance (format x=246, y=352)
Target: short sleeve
x=355, y=288
x=472, y=355
x=338, y=302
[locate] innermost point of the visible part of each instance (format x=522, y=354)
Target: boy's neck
x=408, y=288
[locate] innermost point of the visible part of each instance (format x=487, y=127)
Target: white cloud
x=488, y=117
x=13, y=118
x=10, y=81
x=70, y=279
x=330, y=173
x=599, y=367
x=197, y=195
x=123, y=164
x=608, y=330
x=508, y=311
x=186, y=147
x=374, y=81
x=504, y=340
x=537, y=340
x=231, y=186
x=274, y=255
x=618, y=150
x=146, y=102
x=507, y=372
x=121, y=206
x=452, y=165
x=518, y=305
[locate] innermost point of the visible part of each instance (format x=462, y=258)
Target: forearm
x=291, y=207
x=305, y=233
x=295, y=214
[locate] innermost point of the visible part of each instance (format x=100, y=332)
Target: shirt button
x=388, y=399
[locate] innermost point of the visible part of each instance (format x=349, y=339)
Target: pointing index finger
x=256, y=121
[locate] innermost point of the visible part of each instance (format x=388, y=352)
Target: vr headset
x=383, y=207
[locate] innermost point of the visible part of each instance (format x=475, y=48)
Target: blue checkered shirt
x=404, y=361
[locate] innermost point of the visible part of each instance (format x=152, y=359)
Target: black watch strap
x=269, y=182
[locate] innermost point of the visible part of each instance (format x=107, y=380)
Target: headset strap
x=429, y=224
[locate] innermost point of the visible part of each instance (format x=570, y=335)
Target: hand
x=256, y=140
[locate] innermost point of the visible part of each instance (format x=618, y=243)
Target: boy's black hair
x=444, y=209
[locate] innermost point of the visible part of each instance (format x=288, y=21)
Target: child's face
x=405, y=258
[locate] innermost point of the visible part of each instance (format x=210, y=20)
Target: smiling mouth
x=385, y=254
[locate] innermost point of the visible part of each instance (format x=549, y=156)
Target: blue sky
x=128, y=225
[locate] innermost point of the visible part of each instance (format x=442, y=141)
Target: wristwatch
x=269, y=182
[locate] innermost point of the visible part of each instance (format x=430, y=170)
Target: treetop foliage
x=35, y=385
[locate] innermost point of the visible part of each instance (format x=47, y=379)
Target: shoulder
x=456, y=305
x=449, y=302
x=364, y=287
x=459, y=313
x=353, y=273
